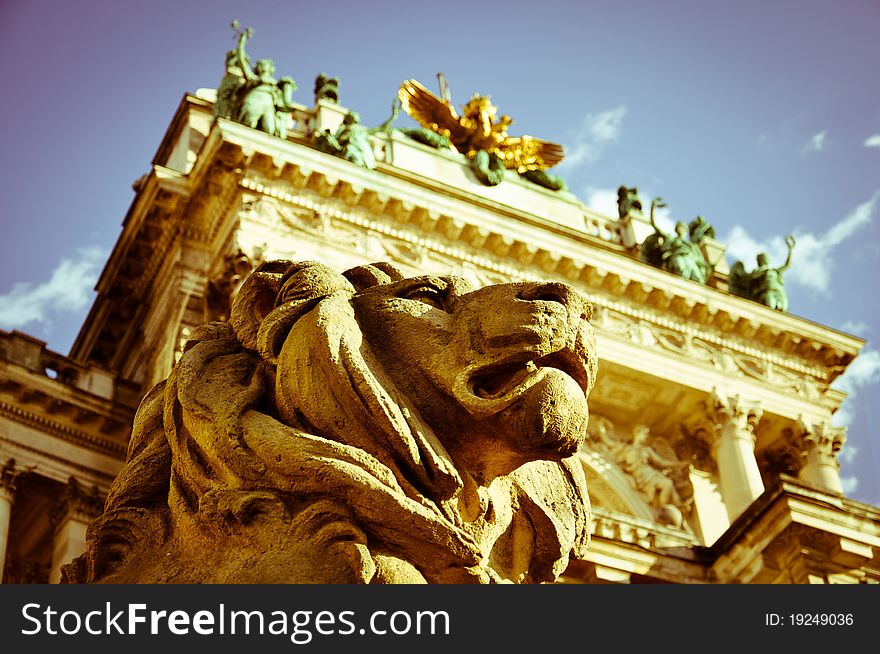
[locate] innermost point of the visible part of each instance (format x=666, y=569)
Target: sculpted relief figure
x=360, y=428
x=648, y=468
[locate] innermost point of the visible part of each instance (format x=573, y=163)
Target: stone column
x=71, y=519
x=733, y=447
x=7, y=496
x=819, y=445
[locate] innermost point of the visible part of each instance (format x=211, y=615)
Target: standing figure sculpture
x=675, y=253
x=264, y=101
x=764, y=284
x=628, y=202
x=229, y=90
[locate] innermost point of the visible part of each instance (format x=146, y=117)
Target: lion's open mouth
x=496, y=381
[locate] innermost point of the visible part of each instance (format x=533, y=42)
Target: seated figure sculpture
x=360, y=428
x=675, y=253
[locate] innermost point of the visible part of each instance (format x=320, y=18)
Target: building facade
x=710, y=456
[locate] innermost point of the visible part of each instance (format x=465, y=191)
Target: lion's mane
x=321, y=470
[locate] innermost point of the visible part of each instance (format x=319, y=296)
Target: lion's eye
x=426, y=295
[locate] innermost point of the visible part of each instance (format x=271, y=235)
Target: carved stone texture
x=360, y=427
x=733, y=415
x=652, y=467
x=820, y=445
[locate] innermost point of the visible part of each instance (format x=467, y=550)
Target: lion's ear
x=275, y=295
x=256, y=299
x=374, y=274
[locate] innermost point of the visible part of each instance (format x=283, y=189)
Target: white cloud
x=873, y=141
x=69, y=289
x=602, y=200
x=848, y=454
x=818, y=142
x=813, y=260
x=863, y=371
x=595, y=133
x=854, y=327
x=849, y=485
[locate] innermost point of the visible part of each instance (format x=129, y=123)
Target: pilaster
x=71, y=519
x=8, y=475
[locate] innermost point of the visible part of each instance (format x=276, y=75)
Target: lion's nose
x=548, y=292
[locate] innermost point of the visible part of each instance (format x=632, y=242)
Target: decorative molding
x=77, y=503
x=77, y=437
x=731, y=415
x=631, y=309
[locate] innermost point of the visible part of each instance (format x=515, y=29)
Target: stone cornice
x=454, y=222
x=849, y=529
x=637, y=300
x=61, y=431
x=148, y=230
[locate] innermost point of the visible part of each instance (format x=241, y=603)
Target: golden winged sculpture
x=477, y=129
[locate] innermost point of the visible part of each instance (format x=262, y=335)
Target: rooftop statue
x=676, y=253
x=259, y=101
x=479, y=133
x=628, y=202
x=229, y=90
x=351, y=141
x=764, y=284
x=699, y=229
x=360, y=428
x=326, y=88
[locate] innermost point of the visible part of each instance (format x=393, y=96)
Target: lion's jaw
x=501, y=373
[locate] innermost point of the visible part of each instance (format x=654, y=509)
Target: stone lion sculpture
x=360, y=428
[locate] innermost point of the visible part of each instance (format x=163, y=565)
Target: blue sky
x=764, y=117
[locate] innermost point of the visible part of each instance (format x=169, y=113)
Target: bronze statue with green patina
x=351, y=140
x=675, y=253
x=261, y=101
x=628, y=202
x=764, y=284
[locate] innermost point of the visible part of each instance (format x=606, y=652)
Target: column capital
x=732, y=412
x=77, y=502
x=8, y=477
x=823, y=439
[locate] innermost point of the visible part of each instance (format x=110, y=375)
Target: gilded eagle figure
x=479, y=129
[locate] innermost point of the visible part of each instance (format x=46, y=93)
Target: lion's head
x=360, y=427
